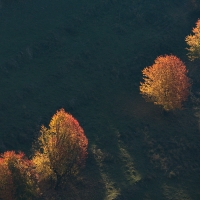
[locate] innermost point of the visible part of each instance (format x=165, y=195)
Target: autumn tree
x=166, y=82
x=7, y=189
x=18, y=179
x=193, y=41
x=62, y=147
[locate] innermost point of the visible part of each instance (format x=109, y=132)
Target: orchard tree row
x=166, y=82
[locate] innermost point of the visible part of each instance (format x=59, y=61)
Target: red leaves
x=17, y=176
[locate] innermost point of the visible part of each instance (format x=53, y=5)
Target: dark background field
x=86, y=57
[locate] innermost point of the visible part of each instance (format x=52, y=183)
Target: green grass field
x=87, y=57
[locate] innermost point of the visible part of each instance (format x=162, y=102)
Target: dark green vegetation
x=87, y=57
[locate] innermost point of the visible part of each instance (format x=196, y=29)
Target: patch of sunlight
x=131, y=174
x=111, y=190
x=171, y=192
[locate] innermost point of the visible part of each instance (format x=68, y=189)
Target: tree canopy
x=18, y=178
x=62, y=147
x=166, y=82
x=193, y=41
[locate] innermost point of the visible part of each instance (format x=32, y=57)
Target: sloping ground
x=87, y=58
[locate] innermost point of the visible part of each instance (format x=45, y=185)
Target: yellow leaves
x=193, y=41
x=42, y=165
x=62, y=146
x=165, y=82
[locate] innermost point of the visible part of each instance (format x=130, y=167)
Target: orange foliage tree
x=166, y=82
x=18, y=179
x=62, y=147
x=193, y=41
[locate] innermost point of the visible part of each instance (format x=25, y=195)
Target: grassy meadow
x=87, y=57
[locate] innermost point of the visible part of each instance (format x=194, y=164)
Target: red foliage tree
x=166, y=82
x=18, y=177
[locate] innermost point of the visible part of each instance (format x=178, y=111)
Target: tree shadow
x=164, y=148
x=87, y=185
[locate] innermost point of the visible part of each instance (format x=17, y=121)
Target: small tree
x=166, y=83
x=18, y=179
x=193, y=41
x=62, y=146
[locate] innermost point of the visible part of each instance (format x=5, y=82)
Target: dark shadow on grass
x=87, y=185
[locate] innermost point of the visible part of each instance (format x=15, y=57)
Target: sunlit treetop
x=166, y=82
x=193, y=41
x=62, y=147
